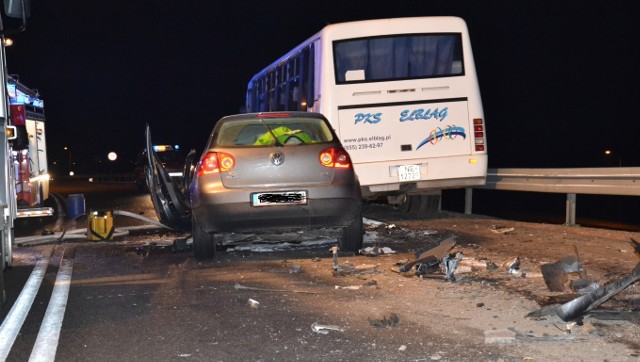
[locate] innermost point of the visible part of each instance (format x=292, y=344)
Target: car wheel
x=351, y=238
x=203, y=244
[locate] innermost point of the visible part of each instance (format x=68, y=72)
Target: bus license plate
x=409, y=172
x=279, y=198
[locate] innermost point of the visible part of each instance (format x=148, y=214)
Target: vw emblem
x=276, y=158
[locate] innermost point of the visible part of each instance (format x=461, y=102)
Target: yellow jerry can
x=100, y=225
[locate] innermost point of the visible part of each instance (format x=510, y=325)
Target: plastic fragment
x=325, y=328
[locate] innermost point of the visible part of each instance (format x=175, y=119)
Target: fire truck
x=24, y=181
x=28, y=150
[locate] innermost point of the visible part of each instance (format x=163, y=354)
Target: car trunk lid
x=284, y=166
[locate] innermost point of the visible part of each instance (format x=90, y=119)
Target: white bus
x=401, y=93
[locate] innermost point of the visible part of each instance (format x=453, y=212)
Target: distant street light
x=610, y=153
x=111, y=156
x=8, y=42
x=66, y=148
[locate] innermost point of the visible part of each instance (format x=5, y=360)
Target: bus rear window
x=398, y=57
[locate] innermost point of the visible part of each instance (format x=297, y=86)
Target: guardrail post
x=468, y=200
x=570, y=219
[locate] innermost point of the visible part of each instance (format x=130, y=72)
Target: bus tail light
x=478, y=133
x=335, y=157
x=215, y=162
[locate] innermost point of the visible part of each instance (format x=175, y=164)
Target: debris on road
x=386, y=321
x=557, y=274
x=334, y=250
x=348, y=269
x=512, y=266
x=371, y=283
x=376, y=251
x=349, y=287
x=450, y=263
x=155, y=245
x=579, y=306
x=430, y=255
x=258, y=246
x=324, y=328
x=499, y=336
x=501, y=229
x=295, y=269
x=511, y=263
x=371, y=222
x=238, y=286
x=253, y=303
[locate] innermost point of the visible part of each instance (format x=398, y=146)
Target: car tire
x=352, y=236
x=203, y=244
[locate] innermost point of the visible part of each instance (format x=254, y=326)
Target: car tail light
x=215, y=162
x=335, y=157
x=478, y=133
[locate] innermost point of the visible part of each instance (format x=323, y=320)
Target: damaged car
x=271, y=171
x=274, y=171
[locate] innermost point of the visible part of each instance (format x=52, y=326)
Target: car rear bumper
x=242, y=217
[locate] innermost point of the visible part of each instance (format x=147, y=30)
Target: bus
x=401, y=93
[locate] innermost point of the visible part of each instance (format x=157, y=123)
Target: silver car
x=274, y=171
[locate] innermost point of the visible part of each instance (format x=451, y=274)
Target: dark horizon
x=557, y=79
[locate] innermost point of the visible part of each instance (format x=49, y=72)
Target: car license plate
x=279, y=198
x=409, y=172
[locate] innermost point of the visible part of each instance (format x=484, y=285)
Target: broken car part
x=583, y=304
x=429, y=254
x=557, y=274
x=450, y=263
x=391, y=321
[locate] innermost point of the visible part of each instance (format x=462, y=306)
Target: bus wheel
x=420, y=205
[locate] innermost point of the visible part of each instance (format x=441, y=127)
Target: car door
x=169, y=201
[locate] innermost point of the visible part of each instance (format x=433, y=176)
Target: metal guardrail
x=623, y=181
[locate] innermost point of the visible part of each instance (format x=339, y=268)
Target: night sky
x=559, y=80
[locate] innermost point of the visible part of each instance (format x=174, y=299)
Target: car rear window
x=260, y=132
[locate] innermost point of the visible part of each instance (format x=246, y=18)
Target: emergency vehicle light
x=11, y=133
x=162, y=148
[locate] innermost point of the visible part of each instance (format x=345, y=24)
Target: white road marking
x=18, y=313
x=49, y=334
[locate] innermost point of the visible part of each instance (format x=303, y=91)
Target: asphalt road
x=140, y=298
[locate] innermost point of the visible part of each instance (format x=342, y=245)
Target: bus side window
x=294, y=84
x=307, y=77
x=271, y=91
x=262, y=95
x=294, y=99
